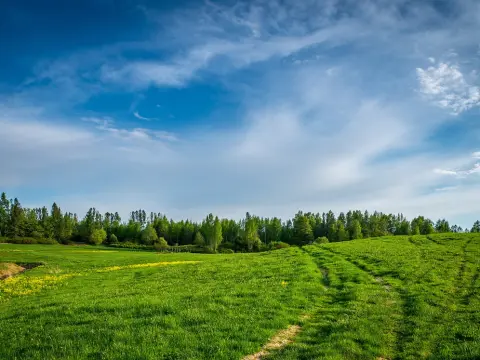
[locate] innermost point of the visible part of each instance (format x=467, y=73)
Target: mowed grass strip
x=222, y=307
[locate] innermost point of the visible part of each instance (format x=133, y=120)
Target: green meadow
x=402, y=297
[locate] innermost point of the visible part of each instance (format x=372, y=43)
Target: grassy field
x=385, y=298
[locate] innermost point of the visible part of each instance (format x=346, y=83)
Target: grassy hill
x=384, y=298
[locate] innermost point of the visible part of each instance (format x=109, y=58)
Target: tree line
x=251, y=233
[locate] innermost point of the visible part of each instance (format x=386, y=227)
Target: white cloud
x=140, y=117
x=445, y=172
x=446, y=87
x=472, y=169
x=178, y=71
x=108, y=124
x=446, y=188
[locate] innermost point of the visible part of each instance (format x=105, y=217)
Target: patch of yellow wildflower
x=23, y=285
x=284, y=283
x=135, y=266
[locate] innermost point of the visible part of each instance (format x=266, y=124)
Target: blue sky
x=264, y=106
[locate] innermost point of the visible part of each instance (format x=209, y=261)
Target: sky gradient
x=193, y=107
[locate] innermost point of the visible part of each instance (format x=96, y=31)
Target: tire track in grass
x=432, y=239
x=410, y=343
x=405, y=325
x=455, y=307
x=286, y=336
x=392, y=298
x=277, y=342
x=472, y=289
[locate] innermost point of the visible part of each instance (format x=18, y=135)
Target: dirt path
x=280, y=340
x=9, y=269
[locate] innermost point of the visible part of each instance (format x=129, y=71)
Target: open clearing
x=411, y=297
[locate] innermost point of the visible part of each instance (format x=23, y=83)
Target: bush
x=160, y=244
x=28, y=240
x=208, y=250
x=113, y=239
x=321, y=240
x=199, y=239
x=97, y=236
x=131, y=245
x=37, y=235
x=186, y=248
x=227, y=251
x=278, y=245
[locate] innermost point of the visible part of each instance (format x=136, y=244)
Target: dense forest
x=252, y=233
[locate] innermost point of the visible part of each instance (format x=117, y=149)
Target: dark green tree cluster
x=252, y=233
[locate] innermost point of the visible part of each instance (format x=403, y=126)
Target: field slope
x=386, y=298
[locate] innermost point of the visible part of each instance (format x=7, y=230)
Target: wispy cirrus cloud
x=462, y=173
x=108, y=124
x=140, y=117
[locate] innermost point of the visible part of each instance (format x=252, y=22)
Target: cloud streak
x=138, y=116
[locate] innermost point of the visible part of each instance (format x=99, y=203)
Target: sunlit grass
x=387, y=298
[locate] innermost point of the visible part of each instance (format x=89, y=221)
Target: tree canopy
x=251, y=233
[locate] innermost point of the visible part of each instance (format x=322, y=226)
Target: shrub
x=28, y=240
x=227, y=251
x=199, y=239
x=131, y=245
x=37, y=235
x=208, y=250
x=321, y=240
x=97, y=236
x=279, y=245
x=160, y=244
x=113, y=239
x=149, y=235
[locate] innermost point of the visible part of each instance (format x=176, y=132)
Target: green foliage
x=416, y=230
x=476, y=227
x=227, y=251
x=302, y=230
x=251, y=238
x=321, y=240
x=356, y=230
x=199, y=240
x=97, y=236
x=28, y=240
x=342, y=234
x=160, y=244
x=149, y=235
x=278, y=245
x=217, y=235
x=247, y=235
x=113, y=239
